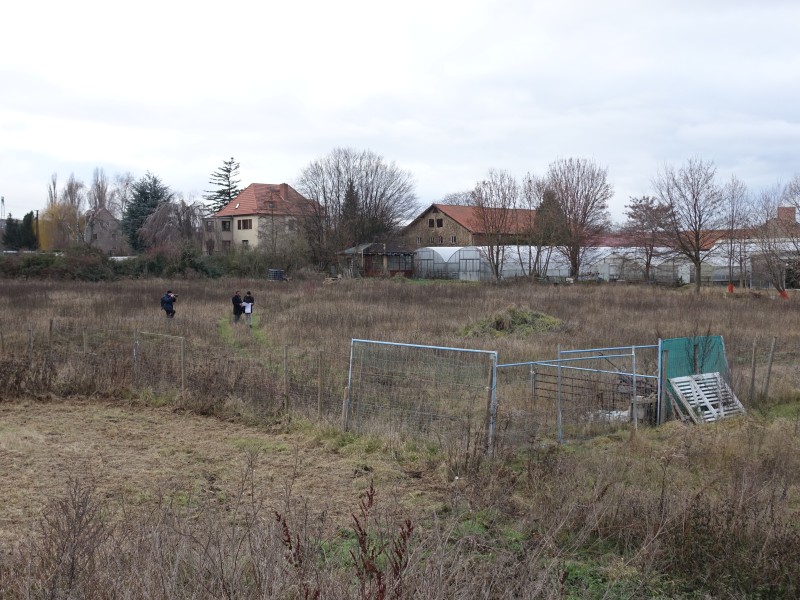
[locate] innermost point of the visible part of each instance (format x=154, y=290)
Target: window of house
x=453, y=240
x=226, y=244
x=245, y=243
x=433, y=239
x=430, y=222
x=209, y=225
x=244, y=224
x=419, y=239
x=441, y=240
x=226, y=226
x=94, y=236
x=439, y=222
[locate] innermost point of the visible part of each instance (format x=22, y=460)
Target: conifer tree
x=146, y=195
x=226, y=183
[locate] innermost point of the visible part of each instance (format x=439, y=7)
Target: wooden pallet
x=705, y=398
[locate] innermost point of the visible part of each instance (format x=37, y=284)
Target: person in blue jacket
x=168, y=301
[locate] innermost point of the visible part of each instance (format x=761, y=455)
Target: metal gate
x=579, y=394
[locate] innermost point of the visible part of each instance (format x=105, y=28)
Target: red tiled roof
x=278, y=199
x=469, y=217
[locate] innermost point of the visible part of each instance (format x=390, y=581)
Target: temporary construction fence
x=409, y=390
x=578, y=394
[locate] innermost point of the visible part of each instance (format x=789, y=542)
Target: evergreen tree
x=550, y=226
x=11, y=234
x=146, y=195
x=27, y=233
x=20, y=235
x=351, y=230
x=226, y=183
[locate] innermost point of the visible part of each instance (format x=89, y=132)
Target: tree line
x=361, y=197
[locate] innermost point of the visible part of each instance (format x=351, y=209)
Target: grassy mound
x=513, y=321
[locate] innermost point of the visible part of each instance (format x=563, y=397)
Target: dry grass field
x=107, y=492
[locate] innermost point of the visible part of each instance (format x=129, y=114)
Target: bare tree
x=738, y=220
x=791, y=193
x=647, y=218
x=99, y=193
x=495, y=198
x=173, y=223
x=62, y=223
x=52, y=190
x=696, y=214
x=543, y=229
x=458, y=198
x=385, y=194
x=774, y=238
x=121, y=194
x=583, y=192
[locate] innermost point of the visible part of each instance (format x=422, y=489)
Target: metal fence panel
x=580, y=394
x=408, y=390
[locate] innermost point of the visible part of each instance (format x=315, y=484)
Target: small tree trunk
x=697, y=277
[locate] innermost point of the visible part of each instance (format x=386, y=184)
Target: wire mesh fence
x=408, y=390
x=580, y=394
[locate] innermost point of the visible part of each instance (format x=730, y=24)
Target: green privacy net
x=693, y=355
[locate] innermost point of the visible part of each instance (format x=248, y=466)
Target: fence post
x=183, y=368
x=559, y=422
x=753, y=373
x=286, y=379
x=135, y=358
x=346, y=395
x=769, y=368
x=491, y=405
x=345, y=403
x=662, y=386
x=319, y=385
x=634, y=403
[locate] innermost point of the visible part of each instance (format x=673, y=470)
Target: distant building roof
x=470, y=217
x=278, y=199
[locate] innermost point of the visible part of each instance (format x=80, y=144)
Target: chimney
x=787, y=214
x=285, y=191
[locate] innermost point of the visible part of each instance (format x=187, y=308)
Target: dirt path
x=138, y=454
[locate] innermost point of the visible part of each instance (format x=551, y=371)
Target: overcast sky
x=445, y=89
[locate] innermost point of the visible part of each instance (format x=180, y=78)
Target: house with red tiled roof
x=262, y=213
x=456, y=225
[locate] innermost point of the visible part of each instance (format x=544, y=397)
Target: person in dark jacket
x=168, y=301
x=237, y=306
x=247, y=303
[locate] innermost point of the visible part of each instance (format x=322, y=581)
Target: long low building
x=470, y=263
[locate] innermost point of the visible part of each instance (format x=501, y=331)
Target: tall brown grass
x=678, y=511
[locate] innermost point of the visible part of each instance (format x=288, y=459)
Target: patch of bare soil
x=140, y=455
